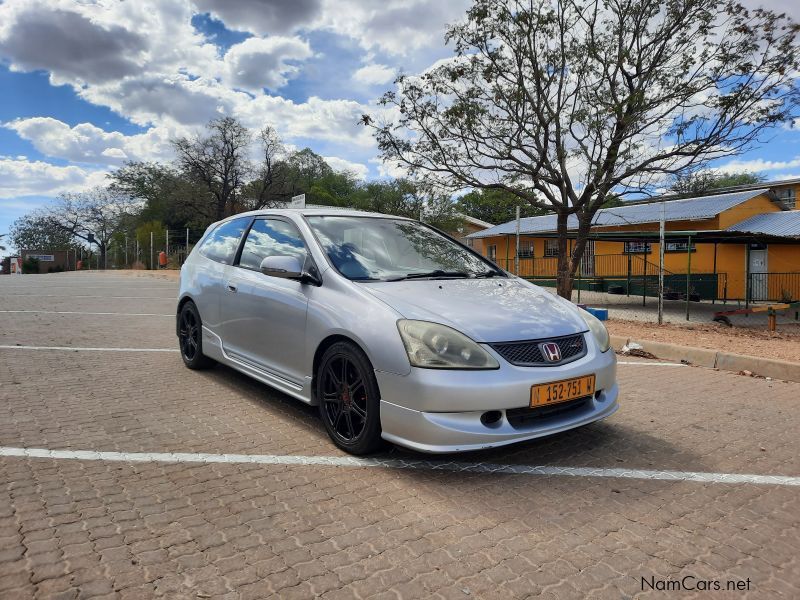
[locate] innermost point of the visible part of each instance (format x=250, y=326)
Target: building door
x=759, y=290
x=587, y=264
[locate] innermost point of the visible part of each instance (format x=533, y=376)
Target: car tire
x=349, y=400
x=190, y=338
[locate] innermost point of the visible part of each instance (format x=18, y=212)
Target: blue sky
x=87, y=85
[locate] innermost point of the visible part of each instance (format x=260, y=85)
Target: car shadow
x=611, y=443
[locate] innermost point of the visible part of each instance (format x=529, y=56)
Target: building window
x=550, y=248
x=491, y=252
x=637, y=248
x=677, y=246
x=525, y=249
x=787, y=197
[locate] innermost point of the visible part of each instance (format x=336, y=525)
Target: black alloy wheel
x=190, y=337
x=348, y=398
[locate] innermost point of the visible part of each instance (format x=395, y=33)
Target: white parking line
x=77, y=349
x=397, y=463
x=67, y=297
x=651, y=364
x=74, y=312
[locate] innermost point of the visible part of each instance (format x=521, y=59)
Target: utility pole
x=661, y=224
x=516, y=254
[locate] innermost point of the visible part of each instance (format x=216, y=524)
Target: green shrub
x=30, y=265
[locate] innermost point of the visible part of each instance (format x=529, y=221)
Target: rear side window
x=222, y=243
x=271, y=237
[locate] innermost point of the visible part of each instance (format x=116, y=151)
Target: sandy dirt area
x=784, y=344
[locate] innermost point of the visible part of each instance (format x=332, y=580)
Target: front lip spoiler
x=424, y=425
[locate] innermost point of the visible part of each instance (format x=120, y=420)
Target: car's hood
x=487, y=310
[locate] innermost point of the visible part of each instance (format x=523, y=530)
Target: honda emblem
x=550, y=351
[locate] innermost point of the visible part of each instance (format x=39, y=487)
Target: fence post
x=688, y=273
x=644, y=275
x=628, y=286
x=186, y=254
x=166, y=242
x=747, y=276
x=151, y=251
x=126, y=250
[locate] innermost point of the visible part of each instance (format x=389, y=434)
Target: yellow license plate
x=562, y=391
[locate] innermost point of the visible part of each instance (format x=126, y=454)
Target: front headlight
x=435, y=346
x=598, y=329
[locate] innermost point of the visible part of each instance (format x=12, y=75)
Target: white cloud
x=397, y=27
x=340, y=164
x=86, y=143
x=389, y=169
x=259, y=63
x=262, y=16
x=374, y=74
x=36, y=178
x=758, y=165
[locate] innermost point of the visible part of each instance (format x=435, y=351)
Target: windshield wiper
x=435, y=274
x=487, y=274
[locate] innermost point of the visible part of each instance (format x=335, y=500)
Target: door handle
x=232, y=287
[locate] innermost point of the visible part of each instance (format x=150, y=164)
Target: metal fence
x=781, y=287
x=627, y=274
x=142, y=251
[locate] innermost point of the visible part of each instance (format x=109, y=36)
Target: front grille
x=523, y=417
x=528, y=353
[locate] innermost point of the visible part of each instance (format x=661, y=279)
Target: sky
x=86, y=85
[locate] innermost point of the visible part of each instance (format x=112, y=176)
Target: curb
x=713, y=359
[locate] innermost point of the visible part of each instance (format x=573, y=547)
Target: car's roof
x=317, y=211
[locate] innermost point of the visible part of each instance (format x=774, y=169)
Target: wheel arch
x=322, y=347
x=181, y=303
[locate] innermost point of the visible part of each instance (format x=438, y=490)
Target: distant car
x=395, y=330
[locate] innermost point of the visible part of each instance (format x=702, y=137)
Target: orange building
x=743, y=242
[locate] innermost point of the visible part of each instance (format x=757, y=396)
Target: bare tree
x=219, y=161
x=565, y=102
x=267, y=187
x=93, y=216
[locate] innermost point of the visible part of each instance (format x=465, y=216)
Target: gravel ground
x=748, y=334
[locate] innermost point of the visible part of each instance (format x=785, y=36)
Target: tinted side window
x=221, y=244
x=271, y=237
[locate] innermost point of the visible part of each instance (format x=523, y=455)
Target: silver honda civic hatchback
x=393, y=329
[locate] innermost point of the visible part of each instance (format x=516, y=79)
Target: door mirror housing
x=285, y=267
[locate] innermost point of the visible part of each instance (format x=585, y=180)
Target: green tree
x=495, y=206
x=38, y=231
x=564, y=102
x=695, y=183
x=143, y=236
x=168, y=195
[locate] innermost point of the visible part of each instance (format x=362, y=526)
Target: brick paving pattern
x=86, y=529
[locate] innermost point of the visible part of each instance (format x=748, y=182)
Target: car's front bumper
x=440, y=411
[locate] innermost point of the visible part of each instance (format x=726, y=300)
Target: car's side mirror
x=286, y=267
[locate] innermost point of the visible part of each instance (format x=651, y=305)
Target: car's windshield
x=374, y=248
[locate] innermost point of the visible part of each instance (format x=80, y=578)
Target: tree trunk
x=103, y=249
x=564, y=271
x=569, y=262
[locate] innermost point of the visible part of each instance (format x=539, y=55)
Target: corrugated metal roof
x=687, y=209
x=784, y=224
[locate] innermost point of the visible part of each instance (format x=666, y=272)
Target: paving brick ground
x=84, y=529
